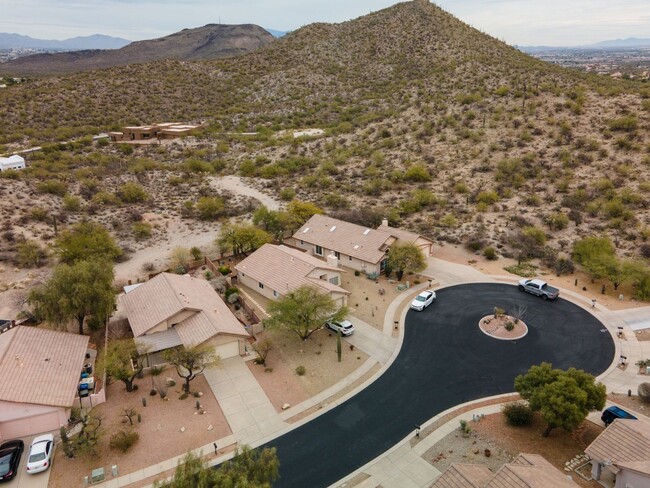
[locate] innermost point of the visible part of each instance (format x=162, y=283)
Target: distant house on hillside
x=172, y=310
x=274, y=271
x=40, y=371
x=621, y=453
x=355, y=246
x=525, y=471
x=166, y=130
x=12, y=162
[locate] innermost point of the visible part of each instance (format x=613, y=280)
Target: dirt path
x=240, y=186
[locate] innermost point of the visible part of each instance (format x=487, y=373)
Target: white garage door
x=29, y=425
x=228, y=350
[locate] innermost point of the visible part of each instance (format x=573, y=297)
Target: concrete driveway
x=445, y=360
x=24, y=480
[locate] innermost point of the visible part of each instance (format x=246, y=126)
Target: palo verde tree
x=87, y=240
x=299, y=212
x=271, y=221
x=75, y=292
x=563, y=398
x=303, y=311
x=191, y=361
x=122, y=362
x=406, y=258
x=598, y=256
x=250, y=468
x=242, y=238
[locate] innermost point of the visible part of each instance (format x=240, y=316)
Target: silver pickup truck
x=539, y=288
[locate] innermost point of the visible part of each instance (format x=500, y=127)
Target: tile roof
x=354, y=240
x=401, y=234
x=624, y=441
x=284, y=269
x=463, y=476
x=166, y=295
x=40, y=366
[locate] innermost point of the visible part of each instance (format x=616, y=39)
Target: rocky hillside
x=427, y=121
x=212, y=41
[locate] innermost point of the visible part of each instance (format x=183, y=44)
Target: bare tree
x=262, y=347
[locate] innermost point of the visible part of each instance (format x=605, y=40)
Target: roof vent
x=306, y=230
x=333, y=228
x=356, y=246
x=366, y=232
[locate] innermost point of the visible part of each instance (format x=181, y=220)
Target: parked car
x=612, y=413
x=539, y=288
x=423, y=300
x=10, y=453
x=344, y=326
x=40, y=453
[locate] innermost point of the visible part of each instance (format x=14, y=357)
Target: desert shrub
x=517, y=413
x=564, y=266
x=557, y=221
x=643, y=391
x=224, y=270
x=449, y=221
x=509, y=326
x=194, y=165
x=133, y=193
x=53, y=187
x=40, y=214
x=475, y=243
x=628, y=123
x=30, y=255
x=287, y=194
x=71, y=203
x=417, y=173
x=196, y=253
x=487, y=197
x=524, y=269
x=105, y=198
x=210, y=208
x=300, y=370
x=141, y=230
x=490, y=253
x=123, y=440
x=10, y=174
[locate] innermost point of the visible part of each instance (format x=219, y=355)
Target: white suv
x=344, y=326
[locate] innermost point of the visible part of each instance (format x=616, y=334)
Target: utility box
x=97, y=475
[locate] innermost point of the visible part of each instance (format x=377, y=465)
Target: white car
x=344, y=326
x=423, y=300
x=40, y=453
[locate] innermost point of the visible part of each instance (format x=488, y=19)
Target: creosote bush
x=300, y=370
x=124, y=440
x=517, y=413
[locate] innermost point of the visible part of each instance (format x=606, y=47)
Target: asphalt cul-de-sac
x=445, y=360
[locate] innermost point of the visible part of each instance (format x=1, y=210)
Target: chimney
x=332, y=260
x=384, y=222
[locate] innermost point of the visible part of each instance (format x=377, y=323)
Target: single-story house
x=12, y=162
x=39, y=379
x=355, y=246
x=406, y=236
x=172, y=310
x=274, y=271
x=525, y=471
x=165, y=130
x=622, y=453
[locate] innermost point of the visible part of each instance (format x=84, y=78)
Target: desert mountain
x=427, y=121
x=208, y=42
x=96, y=41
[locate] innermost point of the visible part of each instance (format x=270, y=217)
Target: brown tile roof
x=366, y=244
x=625, y=440
x=463, y=476
x=642, y=467
x=401, y=234
x=529, y=471
x=168, y=294
x=40, y=366
x=284, y=269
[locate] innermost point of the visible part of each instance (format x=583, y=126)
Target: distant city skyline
x=517, y=22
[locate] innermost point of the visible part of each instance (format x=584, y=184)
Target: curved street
x=445, y=360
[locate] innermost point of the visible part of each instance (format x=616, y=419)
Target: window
x=350, y=258
x=335, y=280
x=275, y=294
x=261, y=285
x=302, y=242
x=319, y=250
x=337, y=254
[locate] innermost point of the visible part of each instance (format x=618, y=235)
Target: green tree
x=303, y=311
x=119, y=360
x=249, y=468
x=299, y=212
x=563, y=398
x=406, y=258
x=87, y=240
x=598, y=256
x=272, y=221
x=75, y=292
x=191, y=361
x=592, y=249
x=242, y=238
x=210, y=208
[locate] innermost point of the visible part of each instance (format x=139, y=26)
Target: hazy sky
x=523, y=22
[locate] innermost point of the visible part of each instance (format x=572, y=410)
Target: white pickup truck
x=539, y=288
